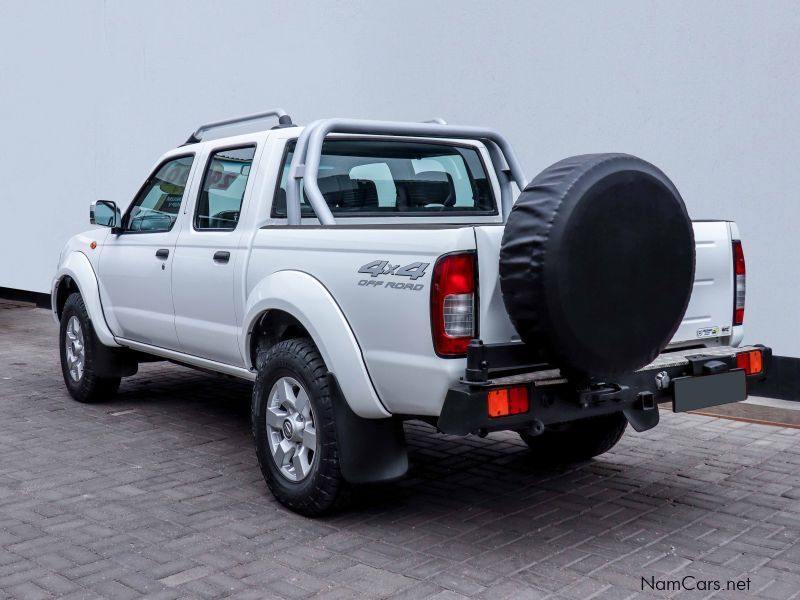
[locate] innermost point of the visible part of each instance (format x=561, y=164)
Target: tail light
x=453, y=304
x=740, y=287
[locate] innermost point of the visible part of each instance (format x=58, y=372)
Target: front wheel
x=77, y=343
x=294, y=430
x=578, y=440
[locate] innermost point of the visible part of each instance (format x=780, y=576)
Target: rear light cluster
x=508, y=401
x=453, y=304
x=751, y=361
x=740, y=272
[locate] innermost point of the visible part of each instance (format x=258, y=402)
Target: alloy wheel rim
x=291, y=430
x=75, y=349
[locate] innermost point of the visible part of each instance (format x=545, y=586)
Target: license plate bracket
x=694, y=393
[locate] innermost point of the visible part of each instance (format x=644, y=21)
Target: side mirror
x=105, y=214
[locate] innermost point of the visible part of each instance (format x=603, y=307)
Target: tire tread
x=91, y=388
x=328, y=491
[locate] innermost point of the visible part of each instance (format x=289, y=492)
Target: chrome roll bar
x=308, y=151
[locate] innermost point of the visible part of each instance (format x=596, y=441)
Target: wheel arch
x=62, y=290
x=75, y=274
x=297, y=302
x=272, y=326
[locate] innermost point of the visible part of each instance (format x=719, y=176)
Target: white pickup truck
x=362, y=273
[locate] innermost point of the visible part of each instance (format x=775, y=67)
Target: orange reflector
x=750, y=361
x=498, y=403
x=93, y=245
x=508, y=401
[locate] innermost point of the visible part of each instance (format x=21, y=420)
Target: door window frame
x=209, y=158
x=168, y=159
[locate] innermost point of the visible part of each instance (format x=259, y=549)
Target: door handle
x=162, y=253
x=222, y=256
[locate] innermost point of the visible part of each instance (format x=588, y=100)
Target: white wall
x=91, y=92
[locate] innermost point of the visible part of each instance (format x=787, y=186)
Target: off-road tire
x=89, y=388
x=577, y=441
x=323, y=489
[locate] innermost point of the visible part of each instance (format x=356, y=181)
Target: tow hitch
x=503, y=389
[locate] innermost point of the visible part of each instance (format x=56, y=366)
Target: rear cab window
x=371, y=177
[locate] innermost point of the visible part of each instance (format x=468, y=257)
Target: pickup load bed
x=362, y=273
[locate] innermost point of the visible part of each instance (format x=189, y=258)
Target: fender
x=77, y=266
x=307, y=300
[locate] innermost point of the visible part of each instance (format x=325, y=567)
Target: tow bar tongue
x=642, y=414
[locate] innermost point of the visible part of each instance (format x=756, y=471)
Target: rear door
x=709, y=317
x=207, y=255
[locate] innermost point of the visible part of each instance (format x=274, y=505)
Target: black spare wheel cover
x=597, y=263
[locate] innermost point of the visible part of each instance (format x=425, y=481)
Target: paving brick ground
x=158, y=494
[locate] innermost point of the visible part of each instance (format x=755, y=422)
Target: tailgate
x=707, y=320
x=493, y=322
x=709, y=316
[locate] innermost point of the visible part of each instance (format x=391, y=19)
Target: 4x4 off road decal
x=378, y=268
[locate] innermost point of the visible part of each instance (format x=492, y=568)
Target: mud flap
x=370, y=450
x=112, y=362
x=643, y=413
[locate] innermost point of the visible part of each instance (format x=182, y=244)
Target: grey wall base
x=783, y=381
x=37, y=298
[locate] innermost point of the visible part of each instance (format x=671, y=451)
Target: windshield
x=360, y=177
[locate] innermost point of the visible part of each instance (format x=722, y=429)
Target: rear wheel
x=578, y=440
x=294, y=430
x=77, y=343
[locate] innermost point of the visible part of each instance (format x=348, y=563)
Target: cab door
x=135, y=265
x=209, y=255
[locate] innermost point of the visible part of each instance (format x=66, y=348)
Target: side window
x=222, y=192
x=158, y=203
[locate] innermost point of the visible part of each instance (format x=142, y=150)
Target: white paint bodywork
x=78, y=261
x=392, y=326
x=376, y=340
x=709, y=317
x=710, y=306
x=307, y=299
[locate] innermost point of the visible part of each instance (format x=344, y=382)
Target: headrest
x=342, y=192
x=431, y=187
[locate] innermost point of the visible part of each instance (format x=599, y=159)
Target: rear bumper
x=689, y=379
